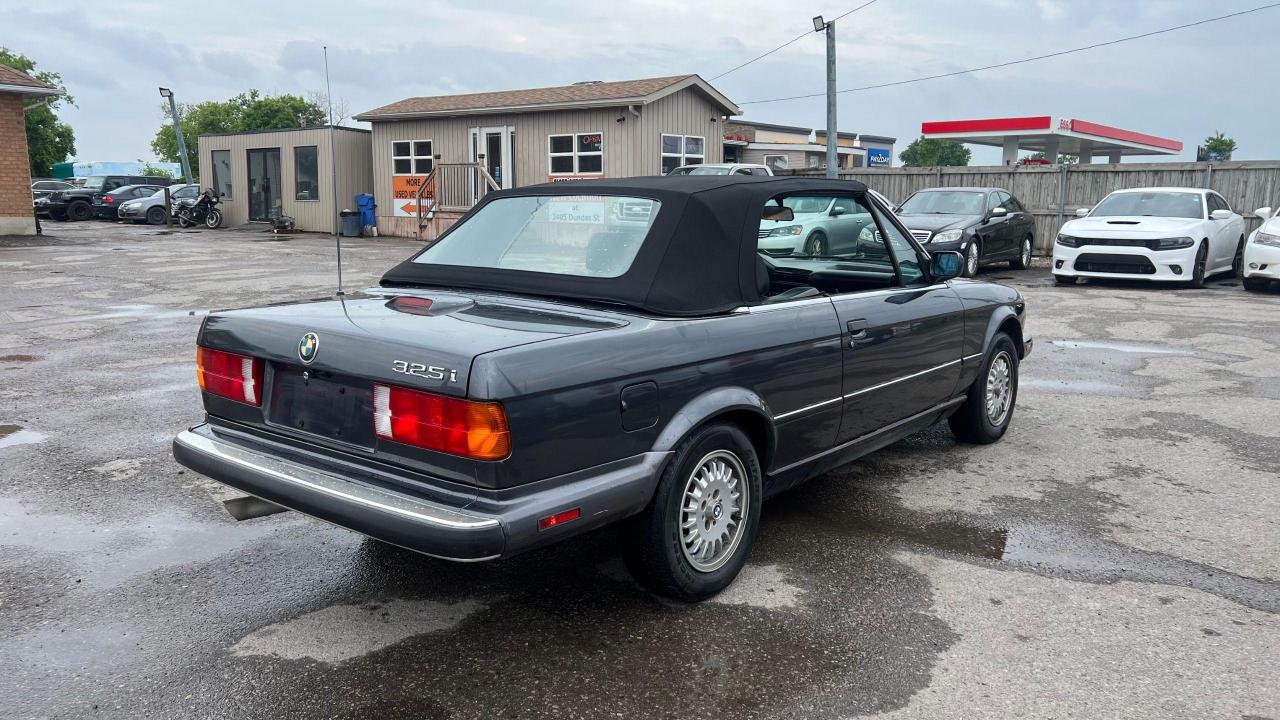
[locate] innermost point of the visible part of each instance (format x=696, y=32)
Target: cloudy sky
x=1184, y=85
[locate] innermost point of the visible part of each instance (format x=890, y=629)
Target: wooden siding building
x=525, y=137
x=269, y=173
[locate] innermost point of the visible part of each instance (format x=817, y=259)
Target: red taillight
x=559, y=518
x=476, y=430
x=236, y=377
x=108, y=199
x=411, y=305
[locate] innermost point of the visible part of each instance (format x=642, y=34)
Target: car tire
x=155, y=215
x=817, y=244
x=972, y=259
x=666, y=556
x=1198, y=272
x=1023, y=261
x=1237, y=262
x=78, y=211
x=976, y=421
x=1063, y=279
x=1253, y=284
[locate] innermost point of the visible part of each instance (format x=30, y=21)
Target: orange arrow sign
x=409, y=207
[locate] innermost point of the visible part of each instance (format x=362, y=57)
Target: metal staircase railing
x=450, y=187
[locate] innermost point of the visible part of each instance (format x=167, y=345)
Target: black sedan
x=985, y=224
x=576, y=354
x=107, y=205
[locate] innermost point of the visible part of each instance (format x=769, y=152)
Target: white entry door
x=492, y=147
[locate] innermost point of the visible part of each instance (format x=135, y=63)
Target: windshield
x=699, y=170
x=949, y=202
x=1150, y=204
x=585, y=235
x=95, y=183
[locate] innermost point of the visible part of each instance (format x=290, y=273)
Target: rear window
x=584, y=235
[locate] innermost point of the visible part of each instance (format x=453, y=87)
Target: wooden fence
x=1053, y=192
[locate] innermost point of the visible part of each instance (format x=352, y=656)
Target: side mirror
x=945, y=264
x=1264, y=213
x=998, y=212
x=837, y=211
x=1082, y=212
x=1220, y=215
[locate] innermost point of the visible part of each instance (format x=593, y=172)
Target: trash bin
x=350, y=223
x=365, y=202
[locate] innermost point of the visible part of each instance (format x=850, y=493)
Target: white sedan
x=1170, y=234
x=1262, y=253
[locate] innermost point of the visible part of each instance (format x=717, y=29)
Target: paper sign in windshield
x=578, y=212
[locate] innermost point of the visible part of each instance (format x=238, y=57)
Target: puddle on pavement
x=11, y=435
x=1120, y=347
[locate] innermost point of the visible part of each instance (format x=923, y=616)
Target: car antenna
x=333, y=168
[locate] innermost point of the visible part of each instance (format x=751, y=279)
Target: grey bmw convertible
x=573, y=355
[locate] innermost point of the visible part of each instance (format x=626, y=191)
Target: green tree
x=49, y=140
x=928, y=152
x=242, y=113
x=1220, y=144
x=150, y=170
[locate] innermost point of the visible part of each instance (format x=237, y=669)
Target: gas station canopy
x=1051, y=136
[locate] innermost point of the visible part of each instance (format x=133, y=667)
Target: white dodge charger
x=1169, y=234
x=1262, y=254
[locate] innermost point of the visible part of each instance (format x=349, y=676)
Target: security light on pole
x=177, y=130
x=818, y=26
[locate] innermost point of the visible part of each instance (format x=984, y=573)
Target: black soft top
x=699, y=257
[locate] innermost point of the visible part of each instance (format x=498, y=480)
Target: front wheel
x=1198, y=272
x=79, y=211
x=1237, y=262
x=971, y=256
x=1023, y=261
x=694, y=537
x=213, y=220
x=817, y=244
x=984, y=417
x=155, y=215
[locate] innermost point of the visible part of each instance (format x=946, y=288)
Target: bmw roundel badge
x=307, y=347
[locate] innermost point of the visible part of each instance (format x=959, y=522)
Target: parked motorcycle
x=203, y=211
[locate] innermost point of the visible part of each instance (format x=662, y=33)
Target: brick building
x=16, y=89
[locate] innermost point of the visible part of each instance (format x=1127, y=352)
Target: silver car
x=150, y=209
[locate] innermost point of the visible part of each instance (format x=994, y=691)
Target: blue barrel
x=367, y=206
x=350, y=223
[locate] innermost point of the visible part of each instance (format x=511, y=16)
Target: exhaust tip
x=250, y=507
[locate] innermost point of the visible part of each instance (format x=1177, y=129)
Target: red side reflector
x=476, y=430
x=235, y=377
x=559, y=518
x=411, y=304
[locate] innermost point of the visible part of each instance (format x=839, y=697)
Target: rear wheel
x=1023, y=261
x=1198, y=272
x=155, y=215
x=1255, y=284
x=817, y=244
x=79, y=211
x=986, y=412
x=694, y=537
x=971, y=256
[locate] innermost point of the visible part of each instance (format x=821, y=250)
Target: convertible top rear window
x=585, y=235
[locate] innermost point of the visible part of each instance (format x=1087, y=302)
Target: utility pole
x=818, y=26
x=177, y=129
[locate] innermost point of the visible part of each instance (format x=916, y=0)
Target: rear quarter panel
x=562, y=398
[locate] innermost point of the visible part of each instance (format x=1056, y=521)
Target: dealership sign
x=404, y=194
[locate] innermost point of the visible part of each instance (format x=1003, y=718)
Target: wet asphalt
x=1116, y=555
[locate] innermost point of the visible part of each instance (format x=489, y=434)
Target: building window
x=306, y=173
x=680, y=150
x=411, y=157
x=577, y=154
x=777, y=162
x=222, y=173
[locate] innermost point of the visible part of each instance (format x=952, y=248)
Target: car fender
x=710, y=404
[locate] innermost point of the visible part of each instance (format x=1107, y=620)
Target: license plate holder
x=321, y=403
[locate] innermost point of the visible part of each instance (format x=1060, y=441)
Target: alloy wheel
x=999, y=388
x=971, y=259
x=713, y=510
x=1026, y=253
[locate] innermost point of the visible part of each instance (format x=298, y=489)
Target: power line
x=1024, y=60
x=795, y=39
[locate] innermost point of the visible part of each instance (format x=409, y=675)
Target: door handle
x=857, y=331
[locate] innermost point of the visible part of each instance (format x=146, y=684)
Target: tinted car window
x=759, y=171
x=1012, y=204
x=993, y=201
